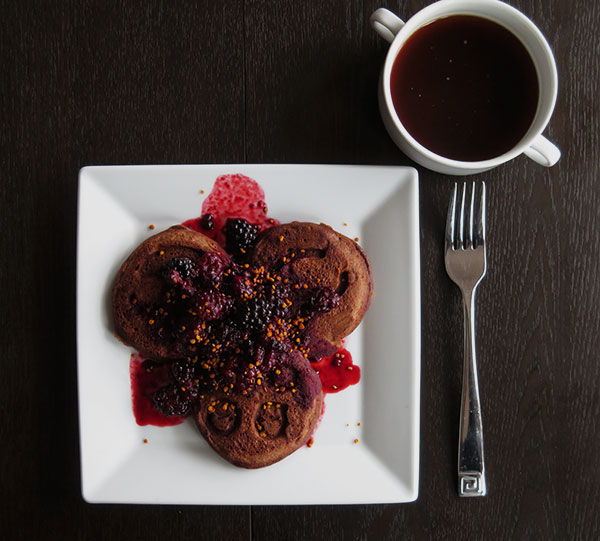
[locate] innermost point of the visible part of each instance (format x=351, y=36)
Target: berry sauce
x=337, y=372
x=232, y=196
x=147, y=377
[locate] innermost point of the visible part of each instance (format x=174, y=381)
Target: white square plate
x=176, y=466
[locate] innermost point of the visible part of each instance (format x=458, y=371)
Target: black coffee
x=465, y=88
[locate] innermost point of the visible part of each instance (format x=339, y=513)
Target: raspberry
x=211, y=305
x=239, y=235
x=211, y=267
x=241, y=286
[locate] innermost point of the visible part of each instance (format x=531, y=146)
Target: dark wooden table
x=96, y=82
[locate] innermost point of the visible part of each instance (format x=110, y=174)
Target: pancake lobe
x=322, y=257
x=262, y=428
x=138, y=284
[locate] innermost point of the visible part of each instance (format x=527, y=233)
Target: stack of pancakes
x=254, y=429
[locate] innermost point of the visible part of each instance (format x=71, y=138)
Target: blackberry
x=183, y=266
x=172, y=400
x=207, y=222
x=239, y=235
x=184, y=374
x=256, y=314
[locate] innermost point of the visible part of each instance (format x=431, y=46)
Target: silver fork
x=466, y=266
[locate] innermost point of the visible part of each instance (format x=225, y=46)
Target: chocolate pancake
x=259, y=429
x=320, y=256
x=138, y=285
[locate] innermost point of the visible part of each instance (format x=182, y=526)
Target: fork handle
x=471, y=471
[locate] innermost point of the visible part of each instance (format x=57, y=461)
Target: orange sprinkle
x=356, y=441
x=310, y=442
x=145, y=440
x=150, y=322
x=162, y=252
x=151, y=226
x=201, y=191
x=356, y=239
x=358, y=424
x=346, y=224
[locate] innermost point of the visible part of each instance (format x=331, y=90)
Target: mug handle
x=386, y=24
x=543, y=151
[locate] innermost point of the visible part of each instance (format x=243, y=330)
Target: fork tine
x=451, y=220
x=480, y=219
x=461, y=232
x=470, y=232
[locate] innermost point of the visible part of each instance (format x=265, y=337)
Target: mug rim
x=431, y=13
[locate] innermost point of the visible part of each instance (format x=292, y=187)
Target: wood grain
x=90, y=82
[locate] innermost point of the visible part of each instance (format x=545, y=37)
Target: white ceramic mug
x=533, y=144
